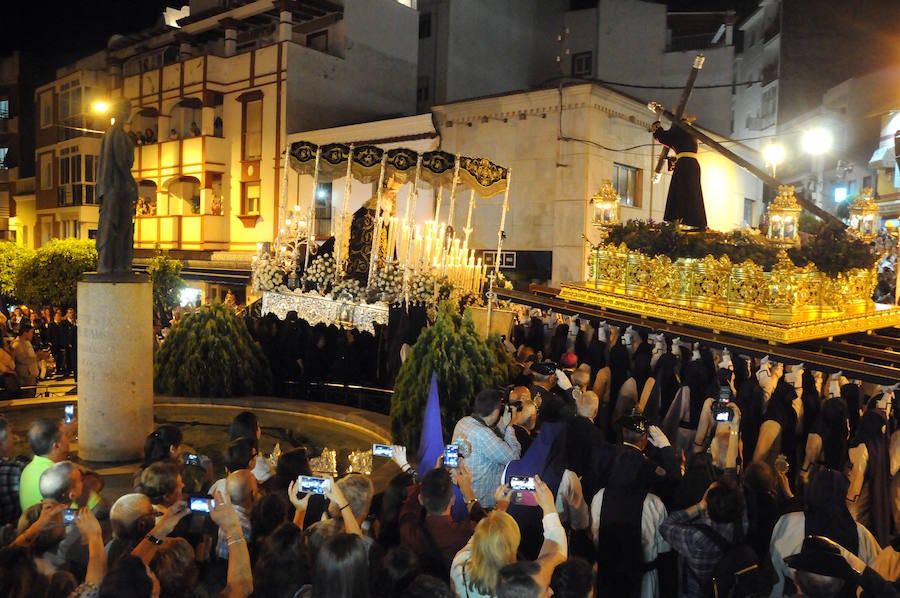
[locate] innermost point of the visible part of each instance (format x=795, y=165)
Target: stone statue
x=117, y=192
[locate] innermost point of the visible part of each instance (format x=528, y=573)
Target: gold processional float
x=381, y=255
x=767, y=297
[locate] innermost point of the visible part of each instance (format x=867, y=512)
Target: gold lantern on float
x=604, y=216
x=864, y=215
x=606, y=209
x=784, y=218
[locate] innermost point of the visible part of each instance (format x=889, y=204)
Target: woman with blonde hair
x=494, y=543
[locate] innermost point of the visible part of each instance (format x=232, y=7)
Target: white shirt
x=787, y=539
x=652, y=515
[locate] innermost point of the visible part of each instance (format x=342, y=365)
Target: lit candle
x=479, y=276
x=417, y=246
x=404, y=236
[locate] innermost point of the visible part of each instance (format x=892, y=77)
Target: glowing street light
x=100, y=107
x=817, y=141
x=774, y=155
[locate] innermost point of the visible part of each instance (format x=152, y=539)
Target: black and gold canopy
x=486, y=178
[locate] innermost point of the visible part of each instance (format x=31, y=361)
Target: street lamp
x=774, y=155
x=816, y=142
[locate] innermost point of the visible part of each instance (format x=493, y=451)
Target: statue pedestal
x=115, y=367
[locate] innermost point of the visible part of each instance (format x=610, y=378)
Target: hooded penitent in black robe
x=827, y=515
x=871, y=431
x=620, y=554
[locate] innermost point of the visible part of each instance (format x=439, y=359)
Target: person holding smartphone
x=720, y=424
x=493, y=444
x=349, y=501
x=243, y=493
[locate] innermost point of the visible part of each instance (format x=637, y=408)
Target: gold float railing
x=786, y=304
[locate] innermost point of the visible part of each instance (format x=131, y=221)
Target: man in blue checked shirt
x=488, y=444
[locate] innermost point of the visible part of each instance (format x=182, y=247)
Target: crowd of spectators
x=886, y=247
x=616, y=463
x=149, y=136
x=36, y=345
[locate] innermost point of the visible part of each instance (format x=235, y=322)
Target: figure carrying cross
x=684, y=202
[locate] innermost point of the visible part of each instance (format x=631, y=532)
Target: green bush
x=12, y=258
x=165, y=276
x=51, y=276
x=211, y=354
x=504, y=364
x=464, y=365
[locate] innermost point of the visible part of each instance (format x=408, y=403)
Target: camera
x=193, y=459
x=202, y=504
x=313, y=484
x=781, y=464
x=382, y=450
x=68, y=516
x=505, y=403
x=451, y=455
x=69, y=412
x=721, y=407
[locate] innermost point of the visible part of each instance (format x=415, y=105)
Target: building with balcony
x=18, y=73
x=213, y=96
x=792, y=59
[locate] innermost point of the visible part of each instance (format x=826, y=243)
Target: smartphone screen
x=68, y=516
x=202, y=504
x=451, y=456
x=69, y=411
x=312, y=484
x=192, y=459
x=521, y=482
x=382, y=450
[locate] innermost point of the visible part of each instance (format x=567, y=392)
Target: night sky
x=61, y=28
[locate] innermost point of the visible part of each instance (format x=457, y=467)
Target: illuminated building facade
x=212, y=101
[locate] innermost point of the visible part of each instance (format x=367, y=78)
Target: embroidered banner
x=485, y=177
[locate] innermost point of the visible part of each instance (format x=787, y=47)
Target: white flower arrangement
x=266, y=276
x=347, y=288
x=319, y=274
x=421, y=288
x=386, y=285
